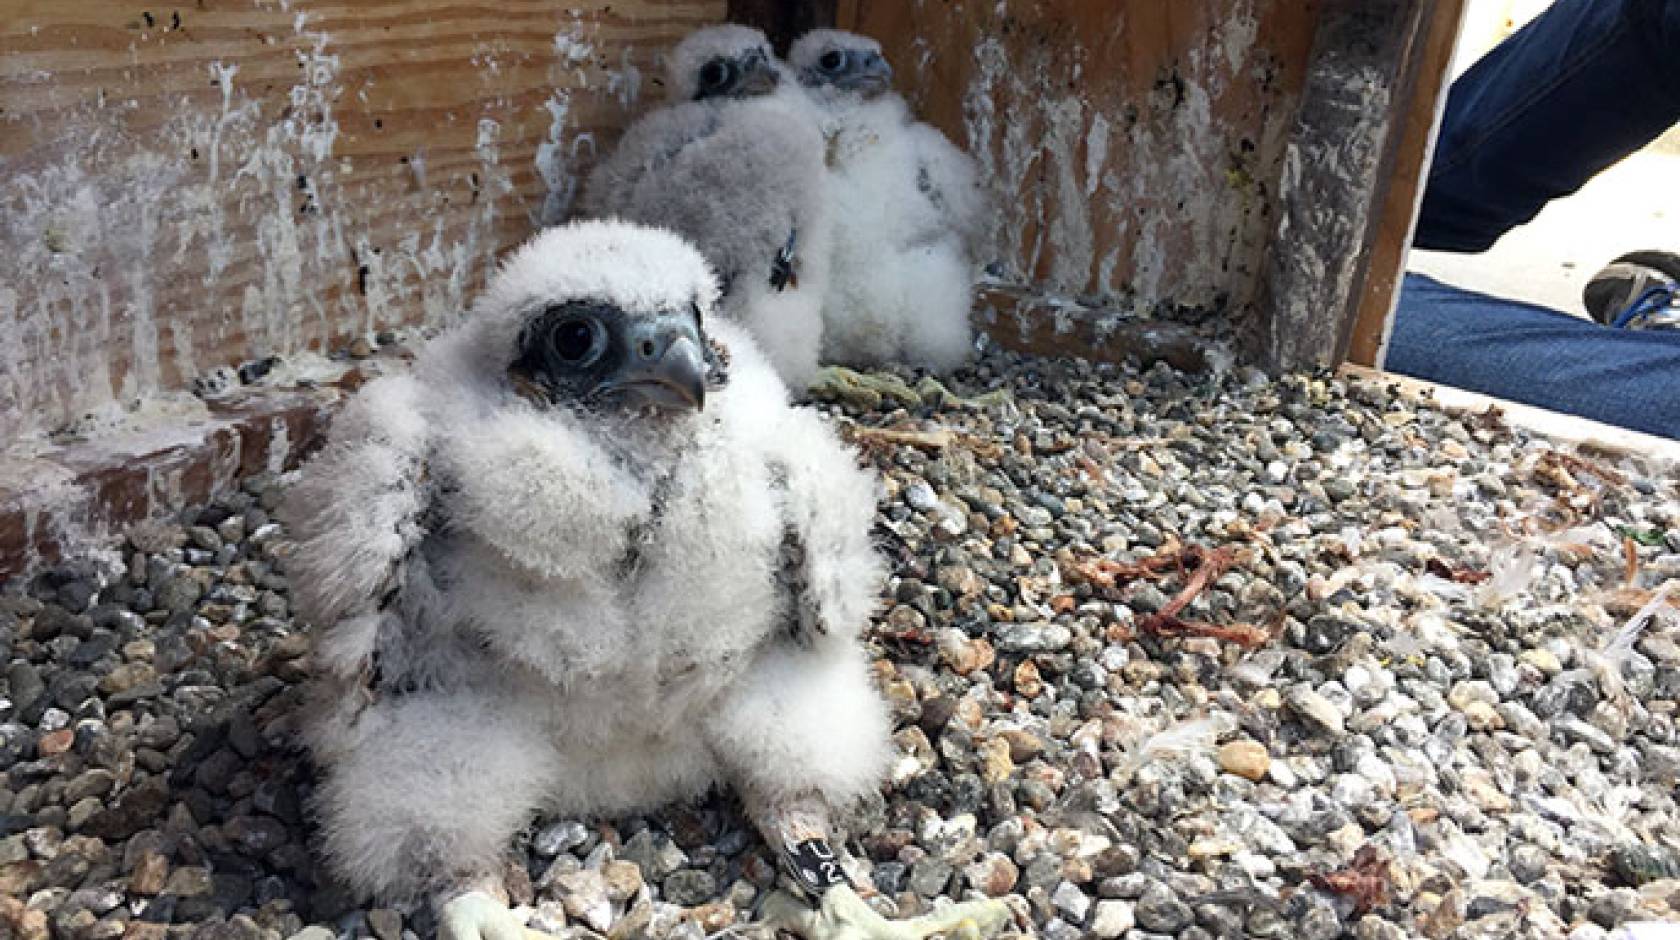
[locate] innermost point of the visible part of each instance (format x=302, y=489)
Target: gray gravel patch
x=1397, y=706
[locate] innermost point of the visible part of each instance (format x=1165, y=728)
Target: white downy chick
x=584, y=559
x=906, y=207
x=734, y=162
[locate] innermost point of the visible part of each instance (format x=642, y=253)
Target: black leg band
x=815, y=866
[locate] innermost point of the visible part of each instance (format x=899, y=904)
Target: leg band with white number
x=814, y=865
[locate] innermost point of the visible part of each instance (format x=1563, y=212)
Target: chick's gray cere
x=550, y=572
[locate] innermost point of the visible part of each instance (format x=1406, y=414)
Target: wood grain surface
x=192, y=185
x=1132, y=147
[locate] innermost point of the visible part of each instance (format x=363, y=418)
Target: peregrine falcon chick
x=584, y=559
x=735, y=163
x=906, y=208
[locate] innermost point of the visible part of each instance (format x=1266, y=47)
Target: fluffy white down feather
x=485, y=653
x=735, y=177
x=905, y=206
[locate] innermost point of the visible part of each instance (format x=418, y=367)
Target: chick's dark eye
x=832, y=60
x=576, y=341
x=716, y=74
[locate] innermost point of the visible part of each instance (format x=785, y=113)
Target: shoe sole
x=1613, y=288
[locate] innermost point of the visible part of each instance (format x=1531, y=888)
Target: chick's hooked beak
x=873, y=76
x=758, y=77
x=664, y=366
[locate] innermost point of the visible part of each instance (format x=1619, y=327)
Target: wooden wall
x=1133, y=146
x=188, y=185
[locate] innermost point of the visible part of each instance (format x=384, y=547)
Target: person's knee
x=1659, y=22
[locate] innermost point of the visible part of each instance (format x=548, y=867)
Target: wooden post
x=783, y=20
x=1336, y=179
x=1426, y=98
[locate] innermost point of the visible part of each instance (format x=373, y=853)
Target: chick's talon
x=862, y=389
x=845, y=916
x=476, y=915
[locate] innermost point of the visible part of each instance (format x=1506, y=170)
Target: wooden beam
x=75, y=497
x=1425, y=97
x=783, y=20
x=1334, y=182
x=1030, y=322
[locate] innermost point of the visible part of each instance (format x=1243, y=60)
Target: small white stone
x=1112, y=919
x=1072, y=903
x=1315, y=710
x=558, y=837
x=1377, y=771
x=1356, y=677
x=921, y=497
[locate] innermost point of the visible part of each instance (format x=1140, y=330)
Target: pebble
x=993, y=875
x=1245, y=758
x=558, y=837
x=656, y=856
x=689, y=887
x=1071, y=903
x=623, y=880
x=1033, y=637
x=1315, y=710
x=150, y=874
x=1483, y=716
x=929, y=876
x=1160, y=910
x=1112, y=919
x=583, y=893
x=385, y=923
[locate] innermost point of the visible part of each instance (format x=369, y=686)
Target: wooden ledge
x=1029, y=321
x=79, y=496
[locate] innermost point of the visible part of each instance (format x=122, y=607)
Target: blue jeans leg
x=1536, y=355
x=1584, y=84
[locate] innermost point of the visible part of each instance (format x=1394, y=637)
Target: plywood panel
x=1132, y=146
x=189, y=185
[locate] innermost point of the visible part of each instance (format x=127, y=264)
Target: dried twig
x=901, y=436
x=1576, y=464
x=1630, y=561
x=1105, y=573
x=1460, y=575
x=1246, y=635
x=1203, y=565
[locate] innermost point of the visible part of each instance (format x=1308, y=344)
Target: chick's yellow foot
x=475, y=915
x=844, y=916
x=862, y=389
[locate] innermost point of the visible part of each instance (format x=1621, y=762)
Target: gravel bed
x=1171, y=655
